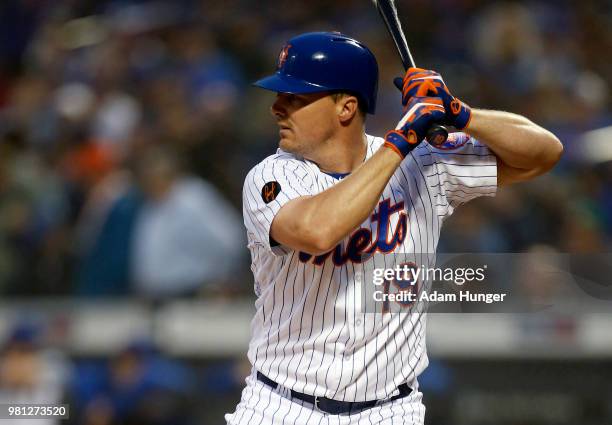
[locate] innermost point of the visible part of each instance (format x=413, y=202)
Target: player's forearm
x=515, y=140
x=315, y=224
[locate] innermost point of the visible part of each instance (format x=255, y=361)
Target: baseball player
x=334, y=199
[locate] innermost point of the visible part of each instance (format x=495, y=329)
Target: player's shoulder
x=281, y=162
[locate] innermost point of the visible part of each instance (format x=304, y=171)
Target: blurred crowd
x=127, y=127
x=136, y=386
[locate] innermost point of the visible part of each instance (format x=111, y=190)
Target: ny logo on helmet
x=282, y=57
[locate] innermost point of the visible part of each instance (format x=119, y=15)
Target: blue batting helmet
x=325, y=61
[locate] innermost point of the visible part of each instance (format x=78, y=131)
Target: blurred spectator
x=30, y=373
x=186, y=235
x=34, y=209
x=136, y=387
x=104, y=237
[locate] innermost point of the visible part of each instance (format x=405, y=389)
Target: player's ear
x=347, y=107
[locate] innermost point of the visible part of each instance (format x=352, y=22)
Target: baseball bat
x=437, y=134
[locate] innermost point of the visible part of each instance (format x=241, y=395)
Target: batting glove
x=422, y=82
x=421, y=113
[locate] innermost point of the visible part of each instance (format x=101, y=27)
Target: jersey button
x=358, y=322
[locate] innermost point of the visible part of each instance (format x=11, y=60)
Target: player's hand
x=421, y=82
x=420, y=114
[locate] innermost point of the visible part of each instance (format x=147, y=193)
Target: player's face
x=305, y=120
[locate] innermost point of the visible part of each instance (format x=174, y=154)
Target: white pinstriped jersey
x=308, y=333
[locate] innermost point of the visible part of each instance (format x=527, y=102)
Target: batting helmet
x=325, y=61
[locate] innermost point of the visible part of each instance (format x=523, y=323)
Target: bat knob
x=437, y=135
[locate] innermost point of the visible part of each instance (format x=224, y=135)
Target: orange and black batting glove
x=422, y=82
x=420, y=114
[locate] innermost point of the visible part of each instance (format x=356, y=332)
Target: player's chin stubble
x=289, y=144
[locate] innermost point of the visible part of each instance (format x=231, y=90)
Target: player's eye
x=289, y=98
x=299, y=100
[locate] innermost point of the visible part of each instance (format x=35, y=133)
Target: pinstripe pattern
x=308, y=333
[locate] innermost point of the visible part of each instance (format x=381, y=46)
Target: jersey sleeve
x=460, y=170
x=267, y=187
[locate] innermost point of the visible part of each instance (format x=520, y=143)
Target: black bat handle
x=437, y=135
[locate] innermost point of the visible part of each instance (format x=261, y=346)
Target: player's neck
x=341, y=156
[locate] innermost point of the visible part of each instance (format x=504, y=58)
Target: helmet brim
x=281, y=83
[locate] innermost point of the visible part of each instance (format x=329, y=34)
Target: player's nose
x=278, y=108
